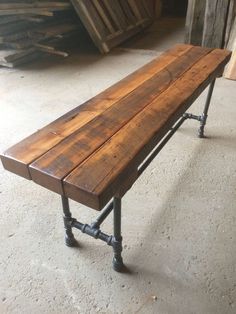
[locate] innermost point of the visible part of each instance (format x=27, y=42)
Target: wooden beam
x=230, y=23
x=230, y=72
x=195, y=21
x=215, y=23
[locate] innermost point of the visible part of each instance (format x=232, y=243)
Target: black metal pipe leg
x=69, y=237
x=204, y=115
x=117, y=241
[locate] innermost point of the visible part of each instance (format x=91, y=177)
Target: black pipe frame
x=115, y=240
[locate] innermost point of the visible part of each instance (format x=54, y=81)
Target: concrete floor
x=178, y=220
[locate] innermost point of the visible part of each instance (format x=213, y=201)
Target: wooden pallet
x=111, y=22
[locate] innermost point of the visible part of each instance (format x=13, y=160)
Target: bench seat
x=93, y=152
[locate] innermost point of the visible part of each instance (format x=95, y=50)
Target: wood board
x=230, y=71
x=195, y=21
x=212, y=23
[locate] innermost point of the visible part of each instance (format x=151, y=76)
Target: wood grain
x=195, y=21
x=52, y=167
x=93, y=152
x=100, y=176
x=215, y=23
x=18, y=157
x=230, y=71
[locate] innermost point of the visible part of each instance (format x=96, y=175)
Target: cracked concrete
x=178, y=220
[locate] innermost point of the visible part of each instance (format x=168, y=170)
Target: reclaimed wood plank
x=133, y=5
x=127, y=11
x=100, y=177
x=36, y=11
x=18, y=157
x=112, y=14
x=230, y=71
x=103, y=15
x=113, y=42
x=195, y=22
x=230, y=23
x=115, y=10
x=215, y=23
x=51, y=4
x=50, y=169
x=92, y=22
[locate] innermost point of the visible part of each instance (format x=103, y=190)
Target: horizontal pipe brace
x=158, y=148
x=93, y=232
x=171, y=132
x=193, y=116
x=93, y=229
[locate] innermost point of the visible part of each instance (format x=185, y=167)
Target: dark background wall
x=174, y=7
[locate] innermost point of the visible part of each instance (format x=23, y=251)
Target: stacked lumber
x=30, y=29
x=212, y=23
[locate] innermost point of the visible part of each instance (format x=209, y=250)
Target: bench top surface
x=93, y=152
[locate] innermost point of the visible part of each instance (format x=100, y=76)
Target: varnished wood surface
x=20, y=156
x=92, y=153
x=105, y=170
x=64, y=157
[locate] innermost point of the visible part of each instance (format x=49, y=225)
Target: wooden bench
x=94, y=153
